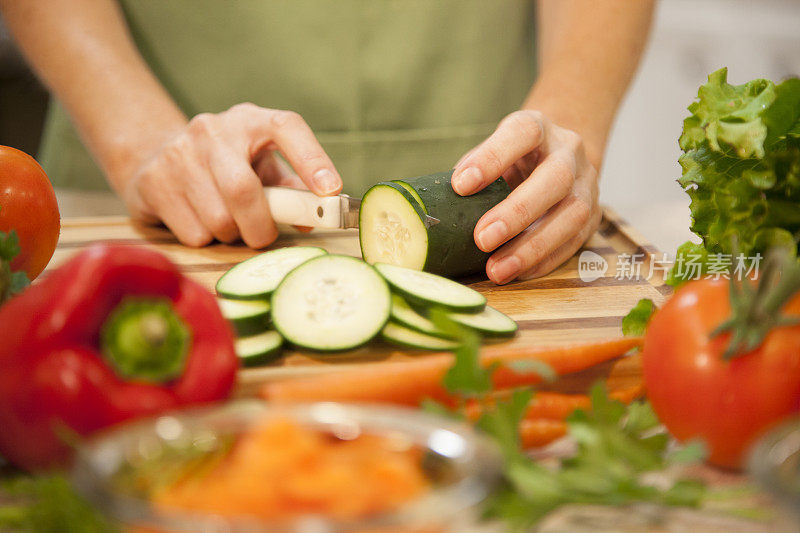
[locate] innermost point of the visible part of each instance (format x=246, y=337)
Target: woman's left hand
x=553, y=207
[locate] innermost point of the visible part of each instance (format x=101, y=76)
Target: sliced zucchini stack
x=327, y=302
x=393, y=229
x=243, y=297
x=331, y=303
x=416, y=293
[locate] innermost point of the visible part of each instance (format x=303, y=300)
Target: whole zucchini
x=392, y=225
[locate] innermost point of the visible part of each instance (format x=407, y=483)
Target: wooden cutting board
x=557, y=309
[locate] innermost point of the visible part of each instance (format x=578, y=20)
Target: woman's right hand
x=206, y=182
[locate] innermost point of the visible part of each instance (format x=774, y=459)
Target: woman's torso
x=391, y=87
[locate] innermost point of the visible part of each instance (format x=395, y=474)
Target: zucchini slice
x=246, y=316
x=425, y=289
x=259, y=349
x=490, y=322
x=390, y=233
x=257, y=277
x=391, y=227
x=332, y=302
x=403, y=336
x=404, y=314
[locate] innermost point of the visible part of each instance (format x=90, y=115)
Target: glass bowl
x=461, y=465
x=775, y=464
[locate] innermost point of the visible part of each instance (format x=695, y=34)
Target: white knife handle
x=303, y=208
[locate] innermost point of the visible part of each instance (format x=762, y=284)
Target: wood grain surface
x=557, y=309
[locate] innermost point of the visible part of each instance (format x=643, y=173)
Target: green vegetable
x=616, y=447
x=392, y=228
x=635, y=322
x=11, y=283
x=741, y=164
x=48, y=505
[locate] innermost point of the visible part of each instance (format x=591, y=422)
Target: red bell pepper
x=115, y=333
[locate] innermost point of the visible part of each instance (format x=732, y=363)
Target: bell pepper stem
x=144, y=339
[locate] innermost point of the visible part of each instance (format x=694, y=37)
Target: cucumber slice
x=257, y=277
x=397, y=334
x=391, y=227
x=490, y=321
x=423, y=288
x=332, y=302
x=246, y=316
x=259, y=349
x=404, y=314
x=391, y=234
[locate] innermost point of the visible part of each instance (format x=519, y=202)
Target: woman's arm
x=550, y=150
x=589, y=52
x=196, y=176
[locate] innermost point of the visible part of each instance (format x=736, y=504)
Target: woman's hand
x=552, y=209
x=206, y=182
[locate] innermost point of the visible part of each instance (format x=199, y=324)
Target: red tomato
x=698, y=394
x=28, y=206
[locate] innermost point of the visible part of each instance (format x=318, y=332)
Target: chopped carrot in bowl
x=280, y=469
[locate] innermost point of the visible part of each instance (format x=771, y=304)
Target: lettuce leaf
x=741, y=164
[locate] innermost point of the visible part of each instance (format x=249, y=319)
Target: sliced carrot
x=409, y=382
x=540, y=431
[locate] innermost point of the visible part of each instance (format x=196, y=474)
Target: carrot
x=557, y=406
x=409, y=382
x=540, y=431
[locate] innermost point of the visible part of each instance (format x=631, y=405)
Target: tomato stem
x=755, y=311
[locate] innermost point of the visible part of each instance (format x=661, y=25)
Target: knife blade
x=300, y=207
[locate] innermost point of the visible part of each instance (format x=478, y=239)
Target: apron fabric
x=391, y=88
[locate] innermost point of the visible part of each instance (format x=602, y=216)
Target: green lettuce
x=741, y=164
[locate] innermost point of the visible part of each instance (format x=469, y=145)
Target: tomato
x=699, y=394
x=28, y=206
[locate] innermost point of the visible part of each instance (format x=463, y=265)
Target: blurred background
x=690, y=39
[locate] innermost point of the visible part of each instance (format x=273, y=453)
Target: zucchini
x=404, y=314
x=412, y=192
x=426, y=289
x=403, y=336
x=331, y=302
x=257, y=277
x=391, y=227
x=259, y=349
x=390, y=233
x=246, y=316
x=490, y=322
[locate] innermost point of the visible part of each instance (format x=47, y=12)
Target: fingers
x=517, y=135
x=542, y=244
x=298, y=144
x=561, y=254
x=243, y=195
x=550, y=182
x=173, y=210
x=207, y=203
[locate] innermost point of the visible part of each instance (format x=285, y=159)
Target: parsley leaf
x=48, y=505
x=616, y=446
x=635, y=322
x=466, y=377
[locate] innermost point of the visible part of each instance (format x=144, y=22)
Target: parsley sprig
x=11, y=283
x=616, y=446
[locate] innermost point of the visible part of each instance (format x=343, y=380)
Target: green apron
x=391, y=87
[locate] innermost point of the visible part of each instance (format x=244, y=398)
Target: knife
x=299, y=207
